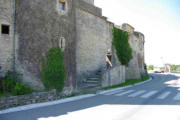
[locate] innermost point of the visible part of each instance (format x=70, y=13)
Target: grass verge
x=128, y=82
x=4, y=95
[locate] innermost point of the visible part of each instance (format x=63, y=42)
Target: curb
x=38, y=105
x=129, y=86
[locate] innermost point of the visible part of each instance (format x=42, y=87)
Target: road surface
x=158, y=99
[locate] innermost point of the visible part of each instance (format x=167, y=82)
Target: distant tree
x=178, y=68
x=174, y=68
x=150, y=67
x=162, y=68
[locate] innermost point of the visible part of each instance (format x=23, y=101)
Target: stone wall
x=40, y=26
x=5, y=39
x=135, y=68
x=94, y=38
x=86, y=34
x=13, y=101
x=114, y=76
x=140, y=52
x=89, y=1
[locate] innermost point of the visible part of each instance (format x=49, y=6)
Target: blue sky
x=159, y=20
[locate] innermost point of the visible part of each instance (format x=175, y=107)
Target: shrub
x=20, y=89
x=53, y=70
x=8, y=83
x=178, y=68
x=122, y=46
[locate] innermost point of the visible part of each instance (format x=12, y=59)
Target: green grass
x=4, y=95
x=128, y=82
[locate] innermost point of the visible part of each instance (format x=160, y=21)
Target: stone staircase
x=91, y=84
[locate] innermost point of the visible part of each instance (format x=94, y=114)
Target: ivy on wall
x=122, y=46
x=53, y=70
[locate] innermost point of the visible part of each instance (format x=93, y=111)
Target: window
x=5, y=29
x=62, y=4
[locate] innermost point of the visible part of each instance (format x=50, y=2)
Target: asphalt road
x=158, y=99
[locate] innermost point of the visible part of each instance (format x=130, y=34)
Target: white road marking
x=149, y=94
x=177, y=97
x=123, y=93
x=113, y=92
x=137, y=93
x=164, y=95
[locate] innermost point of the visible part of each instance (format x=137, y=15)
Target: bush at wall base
x=53, y=70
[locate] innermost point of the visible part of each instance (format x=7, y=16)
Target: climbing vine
x=122, y=46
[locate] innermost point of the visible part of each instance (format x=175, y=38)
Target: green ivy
x=53, y=70
x=21, y=89
x=122, y=46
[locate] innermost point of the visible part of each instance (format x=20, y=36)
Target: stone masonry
x=5, y=39
x=135, y=69
x=79, y=28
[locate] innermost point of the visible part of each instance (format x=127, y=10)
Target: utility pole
x=13, y=37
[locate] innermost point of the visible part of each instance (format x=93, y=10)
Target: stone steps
x=91, y=84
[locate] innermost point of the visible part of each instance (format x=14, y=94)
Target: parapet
x=127, y=27
x=89, y=1
x=84, y=5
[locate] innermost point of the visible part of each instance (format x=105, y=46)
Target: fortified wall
x=5, y=35
x=79, y=29
x=135, y=69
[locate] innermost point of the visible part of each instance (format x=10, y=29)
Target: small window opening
x=5, y=29
x=62, y=4
x=62, y=43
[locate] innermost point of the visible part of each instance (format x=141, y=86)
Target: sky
x=158, y=20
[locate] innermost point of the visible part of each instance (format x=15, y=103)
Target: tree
x=173, y=67
x=150, y=67
x=178, y=68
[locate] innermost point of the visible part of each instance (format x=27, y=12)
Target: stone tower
x=6, y=10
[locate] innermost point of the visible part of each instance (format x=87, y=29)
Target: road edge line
x=38, y=105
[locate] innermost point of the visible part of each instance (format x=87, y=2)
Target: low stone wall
x=114, y=76
x=13, y=101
